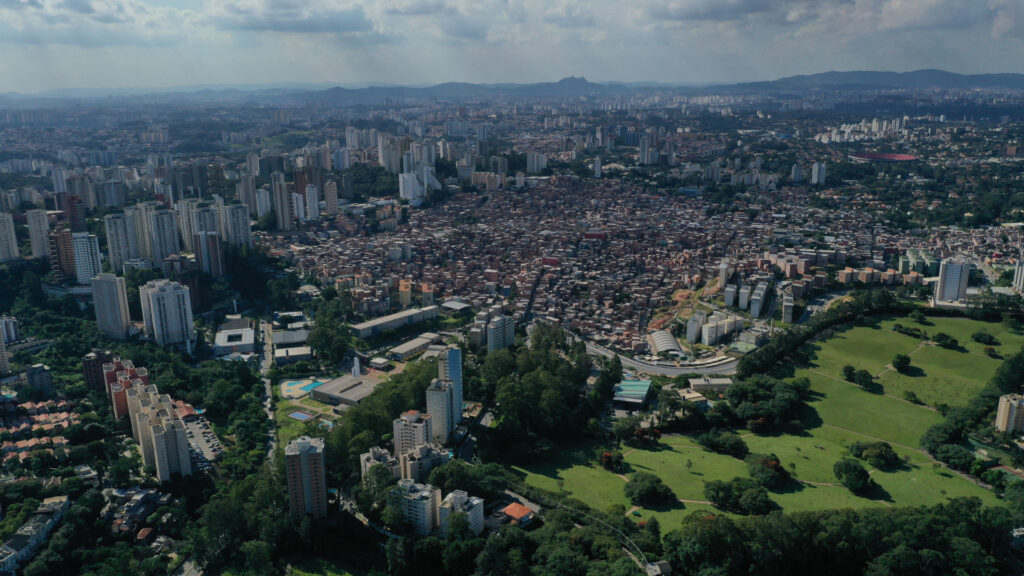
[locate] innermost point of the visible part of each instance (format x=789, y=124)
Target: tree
x=766, y=470
x=917, y=316
x=945, y=340
x=723, y=443
x=646, y=489
x=863, y=378
x=852, y=475
x=957, y=457
x=849, y=372
x=901, y=362
x=878, y=454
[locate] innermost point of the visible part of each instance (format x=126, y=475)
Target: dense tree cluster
x=646, y=489
x=723, y=442
x=739, y=495
x=957, y=537
x=764, y=403
x=853, y=475
x=767, y=470
x=878, y=454
x=540, y=401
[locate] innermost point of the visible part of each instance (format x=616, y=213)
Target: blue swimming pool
x=311, y=386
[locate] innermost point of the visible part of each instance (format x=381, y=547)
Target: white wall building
x=110, y=300
x=167, y=313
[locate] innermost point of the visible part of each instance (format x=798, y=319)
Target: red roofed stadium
x=882, y=157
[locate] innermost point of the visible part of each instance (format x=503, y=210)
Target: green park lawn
x=937, y=375
x=838, y=414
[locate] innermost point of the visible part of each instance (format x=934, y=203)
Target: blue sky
x=52, y=44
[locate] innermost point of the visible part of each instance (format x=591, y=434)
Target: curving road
x=725, y=367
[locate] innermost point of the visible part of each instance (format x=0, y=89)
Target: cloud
x=91, y=23
x=570, y=15
x=415, y=7
x=293, y=16
x=719, y=10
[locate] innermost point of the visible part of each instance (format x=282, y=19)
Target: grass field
x=937, y=375
x=838, y=414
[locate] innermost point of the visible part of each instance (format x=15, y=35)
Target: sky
x=113, y=44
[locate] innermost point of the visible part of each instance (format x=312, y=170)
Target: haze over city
x=113, y=44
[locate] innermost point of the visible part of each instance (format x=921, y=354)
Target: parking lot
x=203, y=445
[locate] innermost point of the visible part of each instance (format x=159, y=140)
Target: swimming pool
x=299, y=388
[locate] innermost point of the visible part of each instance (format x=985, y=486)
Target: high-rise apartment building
x=5, y=365
x=306, y=473
x=284, y=208
x=1010, y=414
x=1018, y=277
x=246, y=192
x=312, y=202
x=953, y=276
x=122, y=242
x=501, y=333
x=163, y=236
x=39, y=232
x=87, y=257
x=410, y=430
x=9, y=331
x=331, y=196
x=167, y=313
x=8, y=239
x=460, y=501
x=110, y=300
x=439, y=406
x=449, y=367
x=62, y=253
x=417, y=463
x=160, y=433
x=419, y=505
x=209, y=253
x=236, y=229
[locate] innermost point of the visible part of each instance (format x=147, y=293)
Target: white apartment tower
x=39, y=232
x=87, y=257
x=110, y=300
x=312, y=202
x=237, y=228
x=440, y=398
x=501, y=333
x=122, y=242
x=161, y=435
x=163, y=236
x=167, y=313
x=459, y=501
x=410, y=430
x=8, y=240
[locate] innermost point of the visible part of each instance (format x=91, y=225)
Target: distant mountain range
x=867, y=80
x=572, y=87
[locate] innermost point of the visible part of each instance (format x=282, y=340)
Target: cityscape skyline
x=146, y=44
